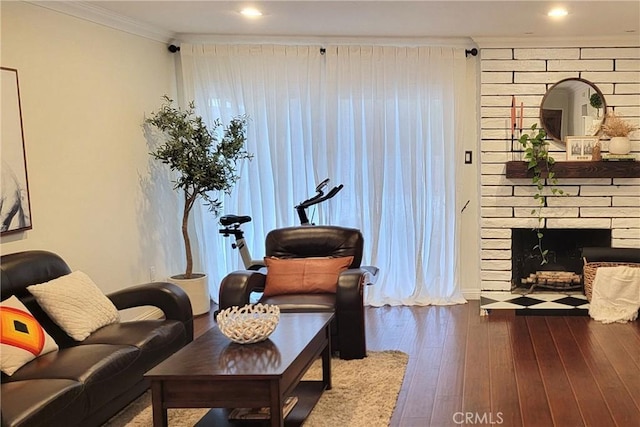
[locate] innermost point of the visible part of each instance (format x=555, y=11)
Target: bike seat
x=227, y=220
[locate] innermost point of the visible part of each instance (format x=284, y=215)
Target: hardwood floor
x=502, y=369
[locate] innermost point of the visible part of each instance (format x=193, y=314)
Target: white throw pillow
x=76, y=304
x=22, y=339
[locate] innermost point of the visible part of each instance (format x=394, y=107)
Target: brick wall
x=591, y=203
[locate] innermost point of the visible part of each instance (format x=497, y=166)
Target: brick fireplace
x=602, y=203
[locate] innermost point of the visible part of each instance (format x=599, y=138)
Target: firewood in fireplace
x=560, y=278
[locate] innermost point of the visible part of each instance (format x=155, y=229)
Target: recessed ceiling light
x=251, y=12
x=558, y=13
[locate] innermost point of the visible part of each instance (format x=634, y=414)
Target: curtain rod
x=467, y=52
x=473, y=52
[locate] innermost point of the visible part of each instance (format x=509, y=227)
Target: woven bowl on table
x=249, y=324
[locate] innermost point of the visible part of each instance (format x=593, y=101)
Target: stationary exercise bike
x=232, y=224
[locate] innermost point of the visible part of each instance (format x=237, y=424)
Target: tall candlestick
x=513, y=113
x=521, y=115
x=513, y=123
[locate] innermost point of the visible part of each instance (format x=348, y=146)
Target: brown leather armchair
x=348, y=328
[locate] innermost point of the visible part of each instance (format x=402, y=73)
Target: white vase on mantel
x=619, y=145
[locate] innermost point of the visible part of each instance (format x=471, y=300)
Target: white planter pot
x=197, y=290
x=619, y=145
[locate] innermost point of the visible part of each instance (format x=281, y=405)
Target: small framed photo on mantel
x=580, y=148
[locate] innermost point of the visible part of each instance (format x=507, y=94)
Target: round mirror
x=572, y=107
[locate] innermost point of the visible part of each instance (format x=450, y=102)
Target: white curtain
x=384, y=121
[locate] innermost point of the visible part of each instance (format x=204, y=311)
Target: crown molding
x=632, y=40
x=89, y=12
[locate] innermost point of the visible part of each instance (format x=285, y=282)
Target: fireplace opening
x=563, y=272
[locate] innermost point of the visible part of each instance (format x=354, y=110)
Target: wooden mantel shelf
x=518, y=169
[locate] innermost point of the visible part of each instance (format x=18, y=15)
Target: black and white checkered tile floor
x=542, y=303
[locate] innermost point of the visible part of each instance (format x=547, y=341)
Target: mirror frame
x=578, y=79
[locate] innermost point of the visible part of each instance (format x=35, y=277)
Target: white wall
x=469, y=189
x=85, y=89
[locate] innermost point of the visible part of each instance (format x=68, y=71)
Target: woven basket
x=589, y=273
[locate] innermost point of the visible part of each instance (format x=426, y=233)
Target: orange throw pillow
x=304, y=275
x=22, y=338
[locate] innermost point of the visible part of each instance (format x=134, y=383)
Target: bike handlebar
x=323, y=184
x=318, y=198
x=334, y=191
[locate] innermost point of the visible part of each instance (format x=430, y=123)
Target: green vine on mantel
x=536, y=154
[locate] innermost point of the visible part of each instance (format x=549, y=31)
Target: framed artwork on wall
x=15, y=206
x=580, y=148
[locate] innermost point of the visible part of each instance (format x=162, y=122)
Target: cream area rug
x=363, y=394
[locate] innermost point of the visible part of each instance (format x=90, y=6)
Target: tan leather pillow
x=304, y=275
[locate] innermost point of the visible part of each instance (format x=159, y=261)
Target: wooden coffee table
x=213, y=372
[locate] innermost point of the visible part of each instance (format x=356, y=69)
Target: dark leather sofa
x=348, y=328
x=86, y=383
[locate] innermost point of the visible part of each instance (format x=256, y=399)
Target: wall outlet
x=152, y=273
